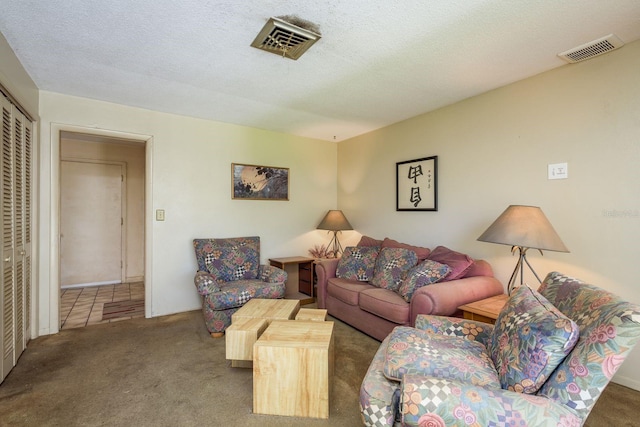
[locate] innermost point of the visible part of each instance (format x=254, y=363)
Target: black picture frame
x=417, y=184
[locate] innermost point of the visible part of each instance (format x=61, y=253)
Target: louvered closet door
x=16, y=234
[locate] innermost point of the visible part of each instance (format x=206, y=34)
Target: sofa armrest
x=444, y=298
x=205, y=283
x=456, y=327
x=325, y=270
x=456, y=403
x=271, y=274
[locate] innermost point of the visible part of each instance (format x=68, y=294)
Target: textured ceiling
x=378, y=62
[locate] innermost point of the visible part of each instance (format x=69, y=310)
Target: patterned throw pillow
x=425, y=273
x=357, y=263
x=232, y=263
x=392, y=266
x=411, y=351
x=530, y=339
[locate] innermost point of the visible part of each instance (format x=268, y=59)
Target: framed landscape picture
x=417, y=185
x=253, y=182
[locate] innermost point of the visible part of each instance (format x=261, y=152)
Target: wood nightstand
x=300, y=281
x=485, y=310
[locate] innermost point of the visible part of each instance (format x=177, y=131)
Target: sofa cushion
x=412, y=351
x=346, y=290
x=391, y=267
x=386, y=304
x=422, y=253
x=357, y=263
x=227, y=264
x=458, y=262
x=237, y=293
x=425, y=273
x=530, y=339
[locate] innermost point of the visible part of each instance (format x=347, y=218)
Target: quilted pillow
x=233, y=263
x=357, y=263
x=392, y=266
x=530, y=339
x=425, y=273
x=421, y=252
x=459, y=262
x=411, y=351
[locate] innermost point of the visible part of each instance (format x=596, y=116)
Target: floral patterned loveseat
x=230, y=274
x=545, y=362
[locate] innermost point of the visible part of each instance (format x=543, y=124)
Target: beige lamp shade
x=526, y=227
x=334, y=220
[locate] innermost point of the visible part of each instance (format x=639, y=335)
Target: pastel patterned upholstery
x=229, y=274
x=426, y=396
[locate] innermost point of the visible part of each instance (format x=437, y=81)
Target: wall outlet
x=159, y=214
x=558, y=171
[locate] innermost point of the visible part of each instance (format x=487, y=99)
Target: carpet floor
x=168, y=371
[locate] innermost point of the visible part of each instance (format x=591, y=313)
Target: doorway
x=102, y=229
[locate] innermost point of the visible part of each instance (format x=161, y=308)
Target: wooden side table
x=300, y=280
x=485, y=310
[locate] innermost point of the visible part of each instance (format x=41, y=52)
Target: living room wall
x=493, y=151
x=189, y=173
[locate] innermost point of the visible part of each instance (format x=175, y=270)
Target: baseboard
x=135, y=279
x=88, y=285
x=627, y=382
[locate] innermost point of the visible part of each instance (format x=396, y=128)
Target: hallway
x=80, y=307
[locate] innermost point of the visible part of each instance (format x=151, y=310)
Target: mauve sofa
x=375, y=310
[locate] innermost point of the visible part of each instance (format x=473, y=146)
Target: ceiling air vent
x=286, y=39
x=591, y=49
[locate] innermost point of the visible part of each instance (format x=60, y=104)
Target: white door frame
x=54, y=265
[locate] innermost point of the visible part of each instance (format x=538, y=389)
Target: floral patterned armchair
x=229, y=274
x=545, y=362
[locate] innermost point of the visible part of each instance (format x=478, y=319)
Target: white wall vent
x=592, y=49
x=285, y=39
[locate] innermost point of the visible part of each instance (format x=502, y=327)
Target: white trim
x=88, y=285
x=626, y=381
x=54, y=257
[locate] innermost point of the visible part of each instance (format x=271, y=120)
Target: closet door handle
x=7, y=259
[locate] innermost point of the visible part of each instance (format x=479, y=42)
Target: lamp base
x=335, y=244
x=522, y=260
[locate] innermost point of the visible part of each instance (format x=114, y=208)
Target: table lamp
x=335, y=221
x=523, y=228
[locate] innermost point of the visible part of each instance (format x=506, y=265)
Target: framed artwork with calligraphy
x=417, y=185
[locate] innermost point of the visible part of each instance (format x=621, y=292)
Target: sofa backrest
x=609, y=329
x=229, y=259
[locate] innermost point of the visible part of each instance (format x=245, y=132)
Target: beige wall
x=493, y=151
x=189, y=170
x=133, y=156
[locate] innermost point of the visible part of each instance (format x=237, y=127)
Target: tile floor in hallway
x=80, y=307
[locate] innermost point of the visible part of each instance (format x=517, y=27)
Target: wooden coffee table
x=249, y=322
x=293, y=369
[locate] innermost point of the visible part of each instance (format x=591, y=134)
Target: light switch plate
x=558, y=171
x=159, y=214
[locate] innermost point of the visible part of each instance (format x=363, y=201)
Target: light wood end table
x=485, y=310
